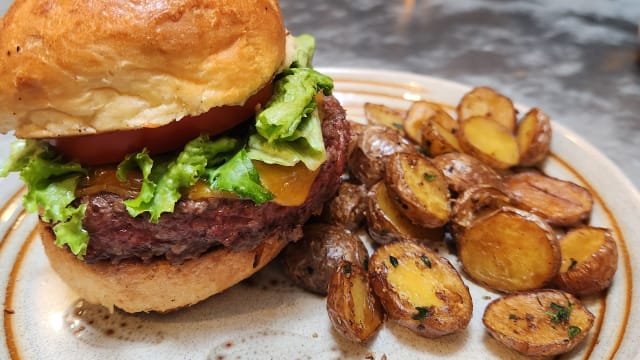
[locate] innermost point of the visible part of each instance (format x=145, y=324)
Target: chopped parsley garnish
x=429, y=177
x=346, y=269
x=366, y=264
x=397, y=125
x=393, y=261
x=560, y=313
x=573, y=264
x=513, y=317
x=573, y=331
x=423, y=312
x=426, y=260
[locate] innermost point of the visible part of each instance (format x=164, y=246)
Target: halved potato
x=386, y=223
x=560, y=202
x=486, y=102
x=378, y=114
x=353, y=309
x=348, y=207
x=589, y=260
x=367, y=159
x=419, y=289
x=509, y=250
x=534, y=137
x=489, y=141
x=417, y=116
x=419, y=189
x=439, y=134
x=462, y=171
x=474, y=203
x=356, y=130
x=538, y=323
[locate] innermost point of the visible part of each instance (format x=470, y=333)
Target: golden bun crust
x=83, y=67
x=158, y=286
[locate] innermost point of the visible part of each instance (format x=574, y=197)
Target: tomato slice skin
x=112, y=147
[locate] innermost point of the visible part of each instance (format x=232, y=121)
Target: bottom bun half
x=159, y=285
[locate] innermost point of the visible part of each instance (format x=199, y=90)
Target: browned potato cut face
x=538, y=323
x=439, y=134
x=534, y=137
x=419, y=289
x=378, y=114
x=386, y=223
x=419, y=189
x=509, y=250
x=353, y=309
x=561, y=203
x=356, y=130
x=366, y=161
x=589, y=260
x=462, y=171
x=311, y=261
x=417, y=116
x=486, y=102
x=489, y=142
x=475, y=203
x=348, y=207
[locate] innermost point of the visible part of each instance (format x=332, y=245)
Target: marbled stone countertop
x=579, y=61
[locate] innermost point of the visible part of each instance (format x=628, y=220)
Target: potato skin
x=474, y=203
x=485, y=101
x=311, y=261
x=559, y=202
x=463, y=171
x=341, y=303
x=348, y=207
x=456, y=308
x=593, y=274
x=522, y=322
x=367, y=159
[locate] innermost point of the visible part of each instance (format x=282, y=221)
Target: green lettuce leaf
x=51, y=184
x=307, y=147
x=305, y=47
x=239, y=176
x=162, y=182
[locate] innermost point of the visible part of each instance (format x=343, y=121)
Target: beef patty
x=196, y=226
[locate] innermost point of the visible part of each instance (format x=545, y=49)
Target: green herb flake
x=397, y=125
x=429, y=177
x=513, y=317
x=366, y=264
x=423, y=312
x=426, y=261
x=393, y=261
x=573, y=264
x=560, y=313
x=573, y=331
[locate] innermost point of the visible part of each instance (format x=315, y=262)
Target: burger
x=170, y=149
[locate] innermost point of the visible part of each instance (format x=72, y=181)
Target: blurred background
x=577, y=60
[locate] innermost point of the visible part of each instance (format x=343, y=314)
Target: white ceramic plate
x=266, y=317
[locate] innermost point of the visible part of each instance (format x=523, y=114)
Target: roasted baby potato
x=538, y=323
x=439, y=134
x=311, y=261
x=419, y=289
x=509, y=250
x=353, y=309
x=474, y=203
x=589, y=260
x=366, y=161
x=378, y=114
x=489, y=141
x=386, y=223
x=559, y=202
x=356, y=130
x=417, y=116
x=486, y=102
x=348, y=207
x=534, y=137
x=462, y=171
x=419, y=188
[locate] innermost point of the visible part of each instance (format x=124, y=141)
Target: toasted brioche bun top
x=84, y=67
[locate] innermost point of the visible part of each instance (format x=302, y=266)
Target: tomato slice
x=112, y=147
